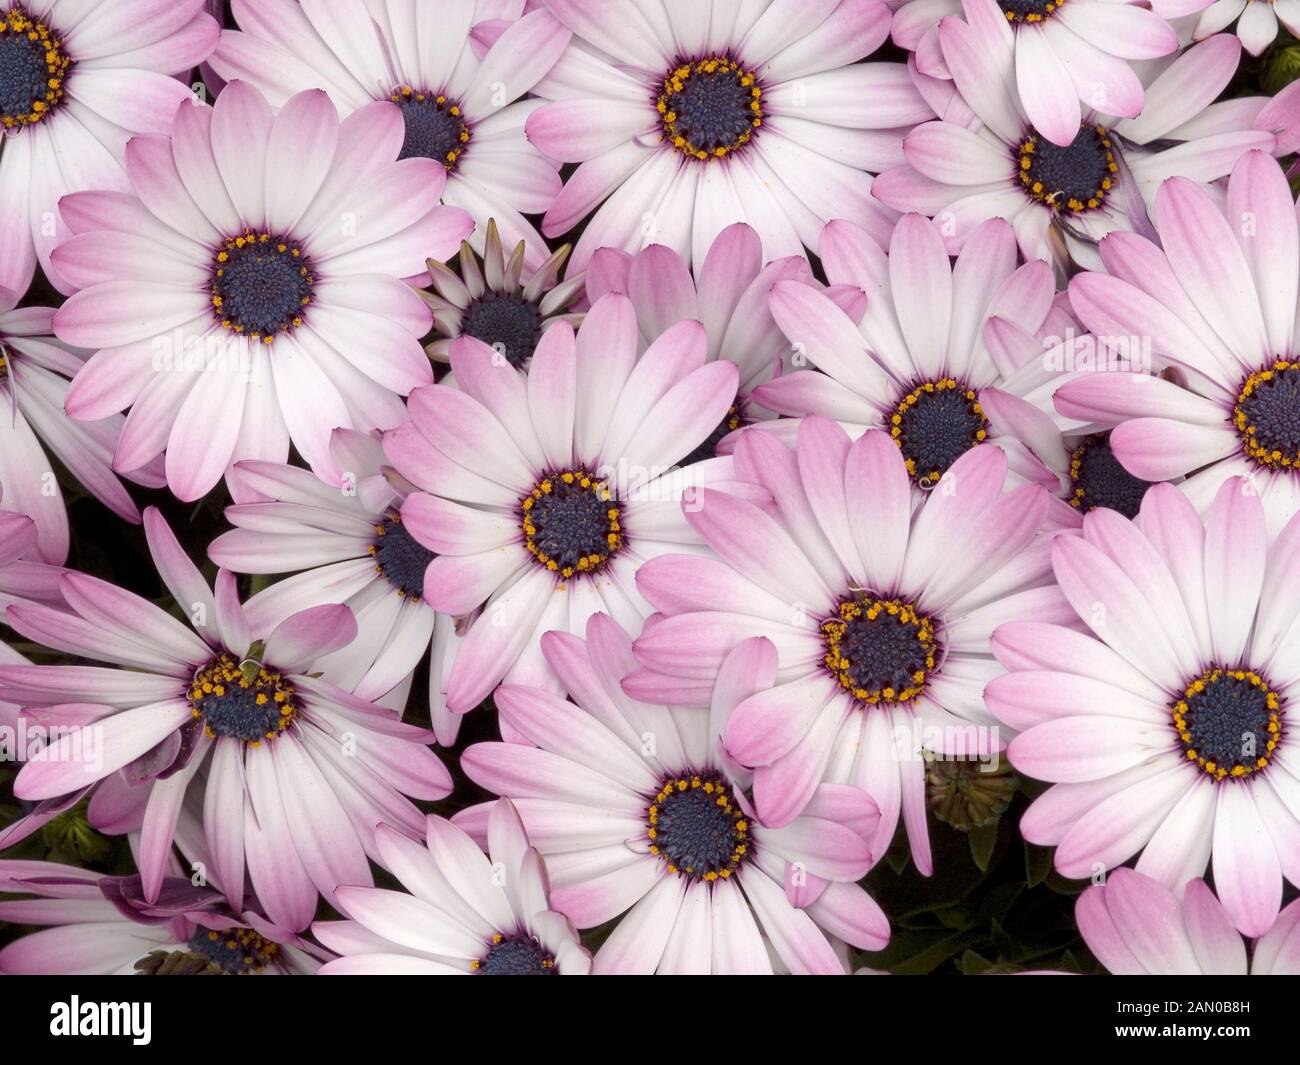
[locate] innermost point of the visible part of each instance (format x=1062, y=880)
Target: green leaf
x=982, y=841
x=1038, y=864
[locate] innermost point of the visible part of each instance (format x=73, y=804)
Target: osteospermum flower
x=105, y=926
x=80, y=77
x=299, y=769
x=683, y=123
x=881, y=616
x=636, y=809
x=249, y=293
x=344, y=545
x=1063, y=197
x=1218, y=303
x=1168, y=734
x=34, y=373
x=461, y=107
x=730, y=300
x=1137, y=927
x=1065, y=58
x=468, y=912
x=541, y=496
x=490, y=301
x=915, y=363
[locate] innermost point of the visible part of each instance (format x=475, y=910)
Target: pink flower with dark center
x=685, y=118
x=880, y=610
x=541, y=495
x=250, y=292
x=1165, y=725
x=467, y=912
x=105, y=926
x=636, y=807
x=80, y=78
x=299, y=769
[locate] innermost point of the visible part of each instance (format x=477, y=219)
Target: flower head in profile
x=1165, y=726
x=288, y=769
x=467, y=912
x=985, y=158
x=880, y=611
x=489, y=299
x=541, y=495
x=683, y=122
x=344, y=544
x=81, y=78
x=458, y=81
x=95, y=925
x=1218, y=301
x=639, y=812
x=248, y=293
x=34, y=373
x=1138, y=927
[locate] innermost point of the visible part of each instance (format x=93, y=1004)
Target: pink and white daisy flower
x=249, y=293
x=636, y=809
x=685, y=117
x=880, y=611
x=1257, y=20
x=1218, y=302
x=461, y=108
x=541, y=496
x=1065, y=59
x=915, y=362
x=490, y=301
x=467, y=912
x=1137, y=927
x=104, y=926
x=984, y=159
x=344, y=545
x=34, y=373
x=1166, y=734
x=730, y=299
x=300, y=770
x=81, y=77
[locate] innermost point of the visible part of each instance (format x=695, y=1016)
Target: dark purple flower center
x=1267, y=415
x=1098, y=480
x=237, y=951
x=1229, y=722
x=934, y=425
x=260, y=285
x=710, y=107
x=241, y=700
x=516, y=955
x=435, y=126
x=1028, y=10
x=571, y=523
x=1070, y=179
x=697, y=828
x=880, y=650
x=33, y=69
x=510, y=324
x=400, y=558
x=735, y=419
